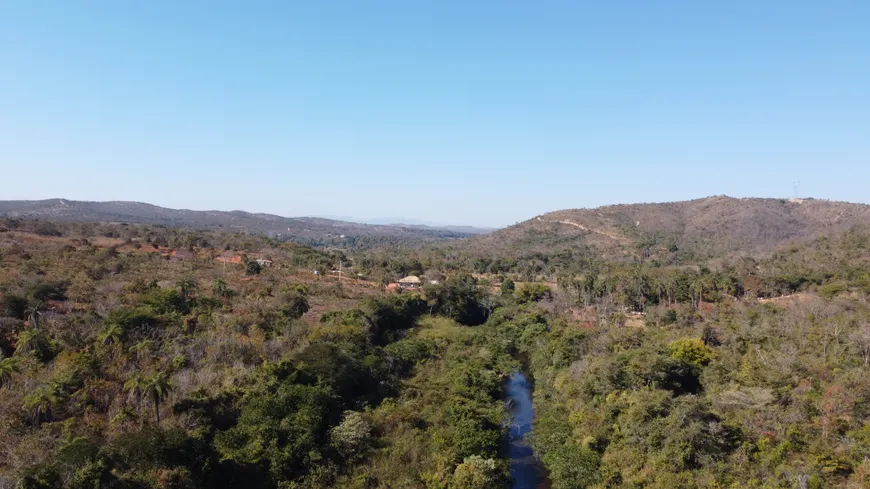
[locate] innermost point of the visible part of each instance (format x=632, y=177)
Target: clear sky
x=455, y=111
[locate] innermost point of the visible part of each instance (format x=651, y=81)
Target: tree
x=134, y=385
x=34, y=312
x=41, y=402
x=152, y=389
x=692, y=351
x=13, y=306
x=862, y=340
x=572, y=466
x=141, y=349
x=8, y=367
x=638, y=287
x=352, y=436
x=281, y=425
x=508, y=287
x=668, y=283
x=696, y=288
x=187, y=288
x=587, y=287
x=252, y=267
x=166, y=301
x=657, y=286
x=459, y=298
x=221, y=290
x=111, y=334
x=295, y=305
x=477, y=472
x=35, y=342
x=157, y=387
x=533, y=293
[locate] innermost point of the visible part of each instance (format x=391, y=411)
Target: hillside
x=682, y=231
x=139, y=356
x=308, y=230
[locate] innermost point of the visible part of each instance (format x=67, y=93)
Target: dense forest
x=148, y=356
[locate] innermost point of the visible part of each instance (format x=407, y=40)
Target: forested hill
x=308, y=230
x=676, y=232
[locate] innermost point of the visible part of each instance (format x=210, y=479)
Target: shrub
x=507, y=287
x=829, y=291
x=295, y=305
x=408, y=352
x=281, y=428
x=533, y=293
x=572, y=466
x=92, y=475
x=480, y=473
x=476, y=437
x=692, y=351
x=166, y=301
x=352, y=436
x=252, y=268
x=45, y=291
x=13, y=306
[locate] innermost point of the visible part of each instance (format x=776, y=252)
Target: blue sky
x=466, y=112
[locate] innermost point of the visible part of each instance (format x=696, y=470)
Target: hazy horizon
x=480, y=114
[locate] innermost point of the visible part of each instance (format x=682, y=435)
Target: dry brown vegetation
x=691, y=230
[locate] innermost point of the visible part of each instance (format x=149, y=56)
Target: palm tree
x=134, y=385
x=34, y=312
x=640, y=287
x=112, y=333
x=154, y=388
x=728, y=284
x=658, y=286
x=157, y=387
x=668, y=284
x=604, y=286
x=696, y=288
x=221, y=290
x=588, y=286
x=41, y=401
x=32, y=340
x=187, y=288
x=141, y=349
x=8, y=367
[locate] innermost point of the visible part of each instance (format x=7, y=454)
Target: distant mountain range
x=411, y=222
x=673, y=232
x=307, y=229
x=686, y=231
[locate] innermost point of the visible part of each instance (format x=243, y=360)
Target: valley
x=692, y=351
x=434, y=245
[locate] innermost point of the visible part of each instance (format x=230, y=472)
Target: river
x=526, y=470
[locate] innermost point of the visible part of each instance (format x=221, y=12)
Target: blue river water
x=526, y=470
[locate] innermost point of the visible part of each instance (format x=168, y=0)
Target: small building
x=410, y=282
x=263, y=262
